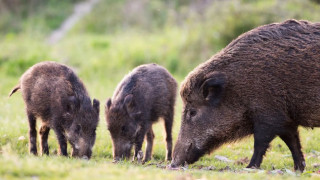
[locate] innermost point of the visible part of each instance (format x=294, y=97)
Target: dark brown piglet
x=266, y=83
x=141, y=98
x=53, y=93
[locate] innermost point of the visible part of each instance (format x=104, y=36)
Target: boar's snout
x=185, y=153
x=122, y=151
x=81, y=151
x=87, y=154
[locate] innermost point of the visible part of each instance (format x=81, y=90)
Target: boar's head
x=84, y=118
x=211, y=116
x=122, y=121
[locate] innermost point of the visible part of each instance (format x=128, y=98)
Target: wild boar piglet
x=141, y=98
x=53, y=93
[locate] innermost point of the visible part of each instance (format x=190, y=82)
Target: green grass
x=15, y=162
x=104, y=47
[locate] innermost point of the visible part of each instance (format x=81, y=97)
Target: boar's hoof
x=147, y=158
x=33, y=152
x=300, y=166
x=116, y=160
x=252, y=166
x=139, y=156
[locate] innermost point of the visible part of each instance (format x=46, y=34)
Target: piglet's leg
x=293, y=142
x=138, y=145
x=138, y=154
x=32, y=134
x=168, y=127
x=62, y=140
x=44, y=133
x=149, y=137
x=263, y=135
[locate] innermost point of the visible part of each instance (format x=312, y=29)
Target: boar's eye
x=123, y=129
x=77, y=130
x=192, y=112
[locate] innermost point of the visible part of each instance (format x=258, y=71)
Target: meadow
x=104, y=46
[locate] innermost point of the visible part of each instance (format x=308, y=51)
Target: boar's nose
x=116, y=159
x=85, y=157
x=172, y=166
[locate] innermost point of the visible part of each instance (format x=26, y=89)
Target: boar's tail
x=15, y=89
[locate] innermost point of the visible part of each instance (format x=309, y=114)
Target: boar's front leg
x=32, y=133
x=62, y=140
x=150, y=137
x=44, y=133
x=291, y=138
x=138, y=144
x=263, y=135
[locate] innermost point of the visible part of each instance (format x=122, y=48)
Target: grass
x=15, y=162
x=101, y=51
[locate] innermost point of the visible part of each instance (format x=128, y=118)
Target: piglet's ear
x=213, y=88
x=72, y=103
x=131, y=107
x=128, y=100
x=108, y=104
x=96, y=105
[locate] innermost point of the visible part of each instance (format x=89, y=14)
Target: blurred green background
x=109, y=41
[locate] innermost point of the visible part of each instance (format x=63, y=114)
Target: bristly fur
x=141, y=98
x=53, y=93
x=266, y=82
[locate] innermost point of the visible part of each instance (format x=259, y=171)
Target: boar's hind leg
x=32, y=134
x=168, y=126
x=263, y=135
x=44, y=133
x=293, y=142
x=150, y=137
x=62, y=140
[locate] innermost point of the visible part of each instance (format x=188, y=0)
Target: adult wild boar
x=266, y=83
x=141, y=98
x=54, y=93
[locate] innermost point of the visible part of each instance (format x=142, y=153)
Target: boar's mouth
x=188, y=155
x=83, y=155
x=81, y=151
x=123, y=154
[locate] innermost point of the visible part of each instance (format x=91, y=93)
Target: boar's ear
x=128, y=99
x=213, y=88
x=108, y=104
x=72, y=103
x=130, y=106
x=96, y=105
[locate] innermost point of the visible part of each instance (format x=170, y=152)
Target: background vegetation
x=105, y=45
